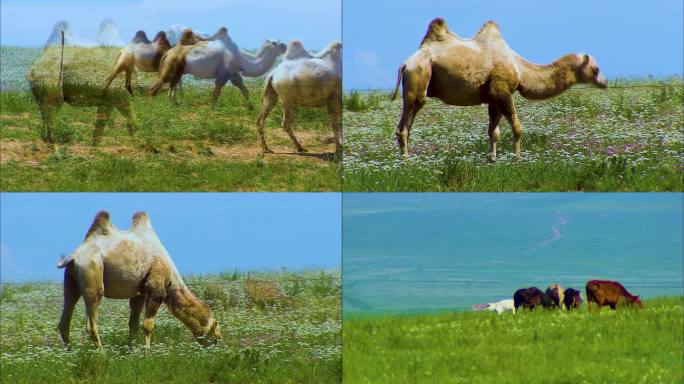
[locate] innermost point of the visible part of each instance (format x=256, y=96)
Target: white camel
x=219, y=59
x=130, y=265
x=304, y=80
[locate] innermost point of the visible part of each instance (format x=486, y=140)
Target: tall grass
x=628, y=346
x=294, y=338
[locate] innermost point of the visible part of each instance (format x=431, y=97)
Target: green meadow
x=626, y=138
x=627, y=346
x=281, y=327
x=184, y=147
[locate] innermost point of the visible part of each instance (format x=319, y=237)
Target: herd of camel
x=458, y=71
x=600, y=293
x=301, y=79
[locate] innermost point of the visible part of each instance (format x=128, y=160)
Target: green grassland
x=279, y=327
x=183, y=147
x=628, y=346
x=626, y=138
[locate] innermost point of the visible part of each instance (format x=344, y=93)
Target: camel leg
x=155, y=294
x=137, y=303
x=220, y=81
x=129, y=74
x=92, y=291
x=124, y=108
x=118, y=69
x=103, y=114
x=288, y=113
x=414, y=81
x=269, y=99
x=47, y=112
x=508, y=109
x=71, y=296
x=335, y=113
x=493, y=132
x=237, y=81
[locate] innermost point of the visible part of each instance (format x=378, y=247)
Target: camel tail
x=400, y=75
x=62, y=263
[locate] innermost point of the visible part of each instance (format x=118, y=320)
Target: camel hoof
x=266, y=150
x=302, y=150
x=491, y=159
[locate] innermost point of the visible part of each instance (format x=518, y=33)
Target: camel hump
x=160, y=36
x=101, y=225
x=140, y=37
x=295, y=49
x=437, y=30
x=141, y=222
x=220, y=34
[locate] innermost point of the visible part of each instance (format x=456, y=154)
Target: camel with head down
x=131, y=265
x=482, y=70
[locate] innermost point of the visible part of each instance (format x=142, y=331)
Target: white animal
x=502, y=306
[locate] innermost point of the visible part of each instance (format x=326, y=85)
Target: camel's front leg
x=237, y=81
x=155, y=293
x=508, y=109
x=493, y=131
x=268, y=101
x=137, y=303
x=288, y=113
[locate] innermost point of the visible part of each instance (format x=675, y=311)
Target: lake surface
x=446, y=251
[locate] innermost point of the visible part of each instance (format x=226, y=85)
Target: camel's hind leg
x=507, y=108
x=71, y=296
x=288, y=114
x=220, y=81
x=92, y=289
x=335, y=113
x=415, y=82
x=237, y=81
x=125, y=109
x=493, y=131
x=137, y=303
x=269, y=99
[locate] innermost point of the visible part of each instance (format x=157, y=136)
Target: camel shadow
x=326, y=156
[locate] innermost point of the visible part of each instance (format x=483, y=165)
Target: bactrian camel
x=482, y=70
x=131, y=265
x=219, y=59
x=304, y=80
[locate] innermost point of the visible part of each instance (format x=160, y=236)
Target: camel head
x=211, y=334
x=272, y=47
x=588, y=72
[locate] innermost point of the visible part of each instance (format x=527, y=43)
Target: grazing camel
x=140, y=53
x=220, y=59
x=480, y=70
x=304, y=80
x=131, y=265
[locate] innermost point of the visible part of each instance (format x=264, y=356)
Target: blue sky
x=203, y=232
x=628, y=38
x=249, y=22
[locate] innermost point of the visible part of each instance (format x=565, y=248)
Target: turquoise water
x=445, y=251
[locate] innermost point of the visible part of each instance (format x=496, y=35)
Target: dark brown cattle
x=528, y=298
x=610, y=293
x=572, y=299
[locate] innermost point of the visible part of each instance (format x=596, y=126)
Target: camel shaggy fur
x=219, y=59
x=480, y=70
x=304, y=80
x=131, y=265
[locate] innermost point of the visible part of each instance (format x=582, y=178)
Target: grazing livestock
x=131, y=265
x=483, y=70
x=609, y=293
x=572, y=299
x=528, y=298
x=553, y=297
x=502, y=306
x=304, y=80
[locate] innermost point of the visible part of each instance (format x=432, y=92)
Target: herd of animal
x=600, y=293
x=301, y=79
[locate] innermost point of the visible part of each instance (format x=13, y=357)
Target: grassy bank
x=629, y=346
x=277, y=328
x=185, y=147
x=627, y=138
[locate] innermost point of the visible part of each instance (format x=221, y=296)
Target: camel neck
x=539, y=82
x=253, y=66
x=187, y=308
